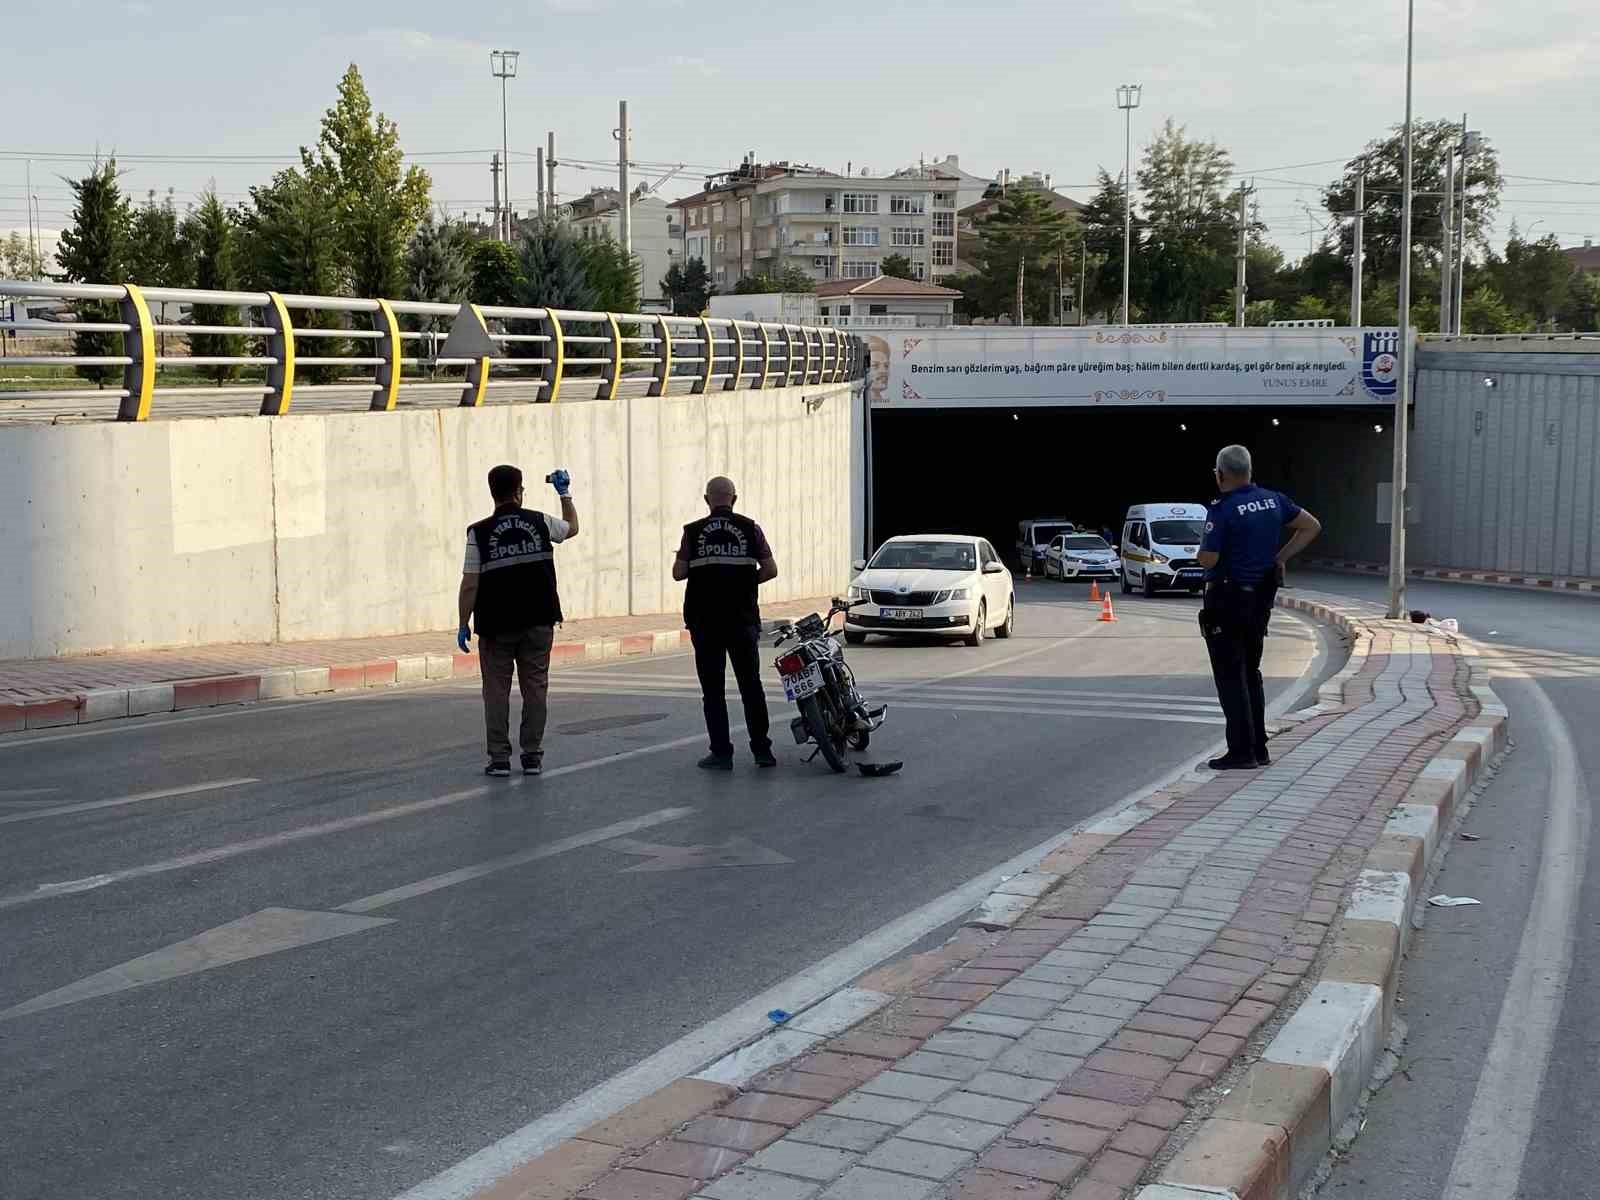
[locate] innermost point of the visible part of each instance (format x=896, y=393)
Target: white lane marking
x=685, y=683
x=213, y=785
x=69, y=887
x=1488, y=1161
x=261, y=933
x=506, y=861
x=749, y=1020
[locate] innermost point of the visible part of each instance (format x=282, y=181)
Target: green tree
x=18, y=260
x=378, y=202
x=1192, y=226
x=790, y=279
x=1580, y=311
x=1535, y=278
x=897, y=266
x=1027, y=231
x=554, y=269
x=289, y=242
x=438, y=264
x=496, y=273
x=1483, y=311
x=613, y=274
x=1101, y=222
x=157, y=256
x=688, y=287
x=1383, y=162
x=94, y=249
x=1313, y=308
x=208, y=235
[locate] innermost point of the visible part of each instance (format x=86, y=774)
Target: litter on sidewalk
x=1443, y=901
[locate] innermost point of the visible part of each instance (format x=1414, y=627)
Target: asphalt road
x=1496, y=1096
x=342, y=960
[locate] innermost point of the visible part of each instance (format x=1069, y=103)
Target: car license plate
x=901, y=614
x=806, y=683
x=1191, y=573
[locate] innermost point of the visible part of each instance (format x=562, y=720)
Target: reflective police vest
x=723, y=560
x=517, y=573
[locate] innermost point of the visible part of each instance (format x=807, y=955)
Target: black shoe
x=1263, y=759
x=533, y=764
x=715, y=762
x=498, y=767
x=1229, y=763
x=765, y=758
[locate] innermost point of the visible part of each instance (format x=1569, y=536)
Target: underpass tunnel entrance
x=982, y=470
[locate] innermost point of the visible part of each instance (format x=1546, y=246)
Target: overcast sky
x=1290, y=89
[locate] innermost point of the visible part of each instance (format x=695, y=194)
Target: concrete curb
x=1272, y=1131
x=1533, y=583
x=311, y=679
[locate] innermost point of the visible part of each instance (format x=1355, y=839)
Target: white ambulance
x=1160, y=545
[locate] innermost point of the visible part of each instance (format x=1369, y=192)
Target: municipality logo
x=1380, y=362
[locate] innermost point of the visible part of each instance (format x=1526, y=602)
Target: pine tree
x=156, y=254
x=208, y=237
x=898, y=266
x=94, y=249
x=289, y=242
x=496, y=272
x=613, y=274
x=554, y=269
x=438, y=271
x=688, y=287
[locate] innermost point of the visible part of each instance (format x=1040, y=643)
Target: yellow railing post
x=663, y=372
x=556, y=349
x=736, y=380
x=766, y=356
x=477, y=380
x=805, y=359
x=616, y=357
x=139, y=344
x=386, y=378
x=280, y=346
x=706, y=368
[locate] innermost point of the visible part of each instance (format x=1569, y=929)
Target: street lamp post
x=503, y=64
x=1402, y=395
x=1128, y=95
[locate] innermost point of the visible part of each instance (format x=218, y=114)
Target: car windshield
x=1043, y=534
x=1086, y=543
x=926, y=556
x=1176, y=533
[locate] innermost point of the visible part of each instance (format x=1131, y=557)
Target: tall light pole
x=1471, y=143
x=1128, y=95
x=503, y=64
x=1402, y=395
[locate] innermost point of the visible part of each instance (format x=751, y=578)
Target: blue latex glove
x=464, y=639
x=561, y=480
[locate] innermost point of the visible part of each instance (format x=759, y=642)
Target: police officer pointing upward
x=1244, y=552
x=724, y=557
x=508, y=591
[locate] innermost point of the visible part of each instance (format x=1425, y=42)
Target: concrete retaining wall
x=191, y=532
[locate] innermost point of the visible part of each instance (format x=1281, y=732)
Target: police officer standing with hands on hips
x=1244, y=553
x=508, y=592
x=724, y=557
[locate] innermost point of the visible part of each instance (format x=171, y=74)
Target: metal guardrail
x=554, y=354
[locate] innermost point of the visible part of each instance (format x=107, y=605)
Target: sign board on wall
x=980, y=366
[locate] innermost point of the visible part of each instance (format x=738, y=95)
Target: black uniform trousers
x=715, y=646
x=1234, y=621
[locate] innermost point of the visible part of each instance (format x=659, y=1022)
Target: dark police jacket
x=724, y=551
x=516, y=572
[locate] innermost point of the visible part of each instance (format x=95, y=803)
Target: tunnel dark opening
x=981, y=470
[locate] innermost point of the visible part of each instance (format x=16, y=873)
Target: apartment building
x=600, y=213
x=767, y=218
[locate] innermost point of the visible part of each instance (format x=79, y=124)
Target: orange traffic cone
x=1094, y=591
x=1105, y=607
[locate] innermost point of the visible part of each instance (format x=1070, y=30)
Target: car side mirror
x=859, y=564
x=993, y=568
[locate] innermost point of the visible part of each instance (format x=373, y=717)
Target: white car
x=1081, y=556
x=934, y=584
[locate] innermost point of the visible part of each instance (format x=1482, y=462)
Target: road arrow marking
x=265, y=932
x=735, y=852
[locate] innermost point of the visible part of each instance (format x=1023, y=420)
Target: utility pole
x=1022, y=262
x=503, y=64
x=1357, y=246
x=1083, y=276
x=1470, y=142
x=499, y=216
x=1447, y=290
x=550, y=166
x=1402, y=395
x=625, y=211
x=538, y=159
x=33, y=234
x=1240, y=259
x=1128, y=97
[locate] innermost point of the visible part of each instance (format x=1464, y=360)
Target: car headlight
x=855, y=593
x=1159, y=557
x=956, y=594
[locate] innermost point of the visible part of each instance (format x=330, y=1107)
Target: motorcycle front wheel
x=832, y=744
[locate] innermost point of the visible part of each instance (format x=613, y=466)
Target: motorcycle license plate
x=902, y=614
x=805, y=683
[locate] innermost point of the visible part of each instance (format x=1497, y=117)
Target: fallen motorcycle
x=816, y=677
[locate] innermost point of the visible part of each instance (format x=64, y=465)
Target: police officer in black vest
x=725, y=557
x=1243, y=552
x=508, y=591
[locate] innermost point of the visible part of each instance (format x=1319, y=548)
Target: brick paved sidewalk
x=55, y=687
x=1057, y=1059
